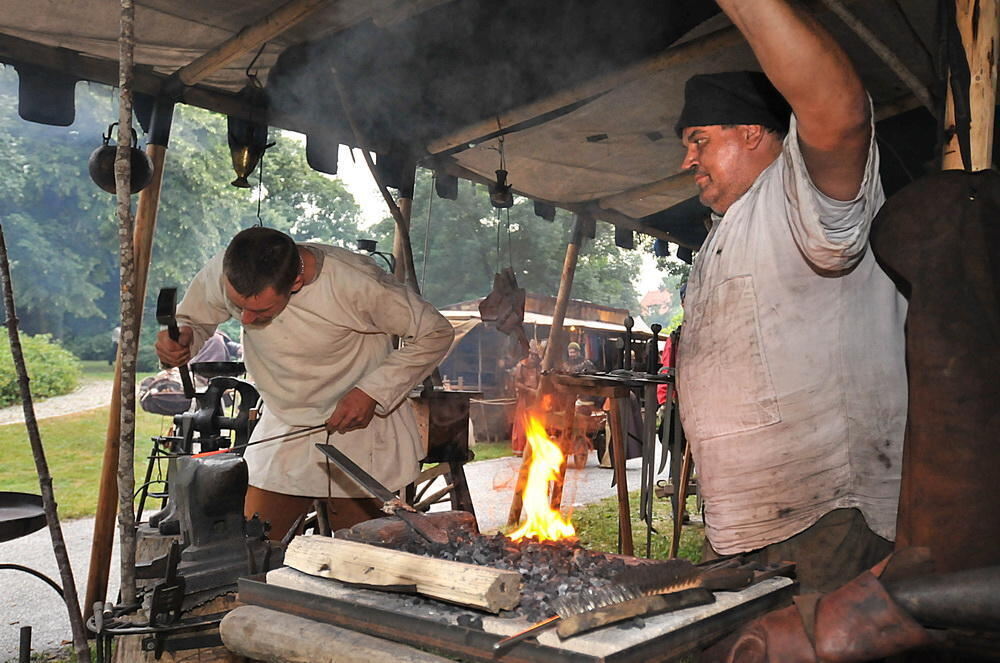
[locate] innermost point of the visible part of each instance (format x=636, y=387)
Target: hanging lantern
x=247, y=138
x=102, y=165
x=501, y=195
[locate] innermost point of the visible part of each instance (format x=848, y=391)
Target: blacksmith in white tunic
x=317, y=327
x=791, y=372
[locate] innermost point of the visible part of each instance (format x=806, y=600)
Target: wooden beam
x=556, y=346
x=247, y=39
x=979, y=23
x=884, y=53
x=262, y=634
x=672, y=57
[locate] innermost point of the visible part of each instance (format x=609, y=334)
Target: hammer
x=166, y=309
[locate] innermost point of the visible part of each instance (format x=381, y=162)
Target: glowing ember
x=542, y=521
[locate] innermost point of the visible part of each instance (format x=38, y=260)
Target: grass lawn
x=95, y=370
x=597, y=526
x=491, y=450
x=74, y=450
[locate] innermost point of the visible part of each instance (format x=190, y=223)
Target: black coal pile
x=549, y=568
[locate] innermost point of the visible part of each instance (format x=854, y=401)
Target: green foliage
x=91, y=346
x=62, y=230
x=676, y=321
x=52, y=369
x=467, y=242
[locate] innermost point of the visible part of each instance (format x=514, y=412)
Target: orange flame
x=542, y=521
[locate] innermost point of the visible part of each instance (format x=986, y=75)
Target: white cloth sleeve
x=204, y=305
x=832, y=234
x=386, y=305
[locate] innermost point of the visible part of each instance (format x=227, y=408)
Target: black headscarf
x=733, y=97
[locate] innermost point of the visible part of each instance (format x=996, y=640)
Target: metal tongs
x=391, y=503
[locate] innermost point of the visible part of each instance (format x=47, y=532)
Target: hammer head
x=166, y=306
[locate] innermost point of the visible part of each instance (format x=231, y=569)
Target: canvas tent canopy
x=584, y=95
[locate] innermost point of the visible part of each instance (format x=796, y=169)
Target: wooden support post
x=979, y=23
x=517, y=502
x=555, y=346
x=402, y=248
x=145, y=224
x=552, y=350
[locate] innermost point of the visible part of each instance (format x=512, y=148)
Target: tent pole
x=402, y=249
x=142, y=240
x=555, y=345
x=552, y=350
x=979, y=23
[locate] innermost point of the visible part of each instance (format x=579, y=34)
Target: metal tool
x=392, y=504
x=627, y=357
x=600, y=606
x=166, y=310
x=649, y=408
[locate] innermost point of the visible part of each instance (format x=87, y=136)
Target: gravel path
x=88, y=397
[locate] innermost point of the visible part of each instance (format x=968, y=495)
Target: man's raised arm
x=818, y=80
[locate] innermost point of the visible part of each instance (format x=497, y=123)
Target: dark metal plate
x=215, y=369
x=20, y=515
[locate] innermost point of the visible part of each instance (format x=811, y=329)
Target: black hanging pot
x=102, y=165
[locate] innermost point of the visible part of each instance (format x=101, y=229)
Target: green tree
x=61, y=228
x=468, y=241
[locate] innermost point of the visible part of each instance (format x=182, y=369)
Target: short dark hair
x=258, y=258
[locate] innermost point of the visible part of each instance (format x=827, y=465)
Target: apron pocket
x=726, y=382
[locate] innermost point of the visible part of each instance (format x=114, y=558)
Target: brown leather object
x=857, y=622
x=939, y=238
x=861, y=622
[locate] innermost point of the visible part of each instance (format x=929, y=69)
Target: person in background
x=527, y=376
x=575, y=361
x=116, y=335
x=318, y=323
x=791, y=370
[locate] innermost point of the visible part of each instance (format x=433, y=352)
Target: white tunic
x=791, y=371
x=334, y=335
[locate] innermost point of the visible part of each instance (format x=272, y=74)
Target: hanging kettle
x=102, y=165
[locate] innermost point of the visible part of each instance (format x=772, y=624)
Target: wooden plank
x=479, y=587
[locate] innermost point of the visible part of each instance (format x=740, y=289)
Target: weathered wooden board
x=479, y=587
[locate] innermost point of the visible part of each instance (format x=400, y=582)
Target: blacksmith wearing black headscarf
x=733, y=97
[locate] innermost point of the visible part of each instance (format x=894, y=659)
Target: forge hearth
x=470, y=635
x=548, y=569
